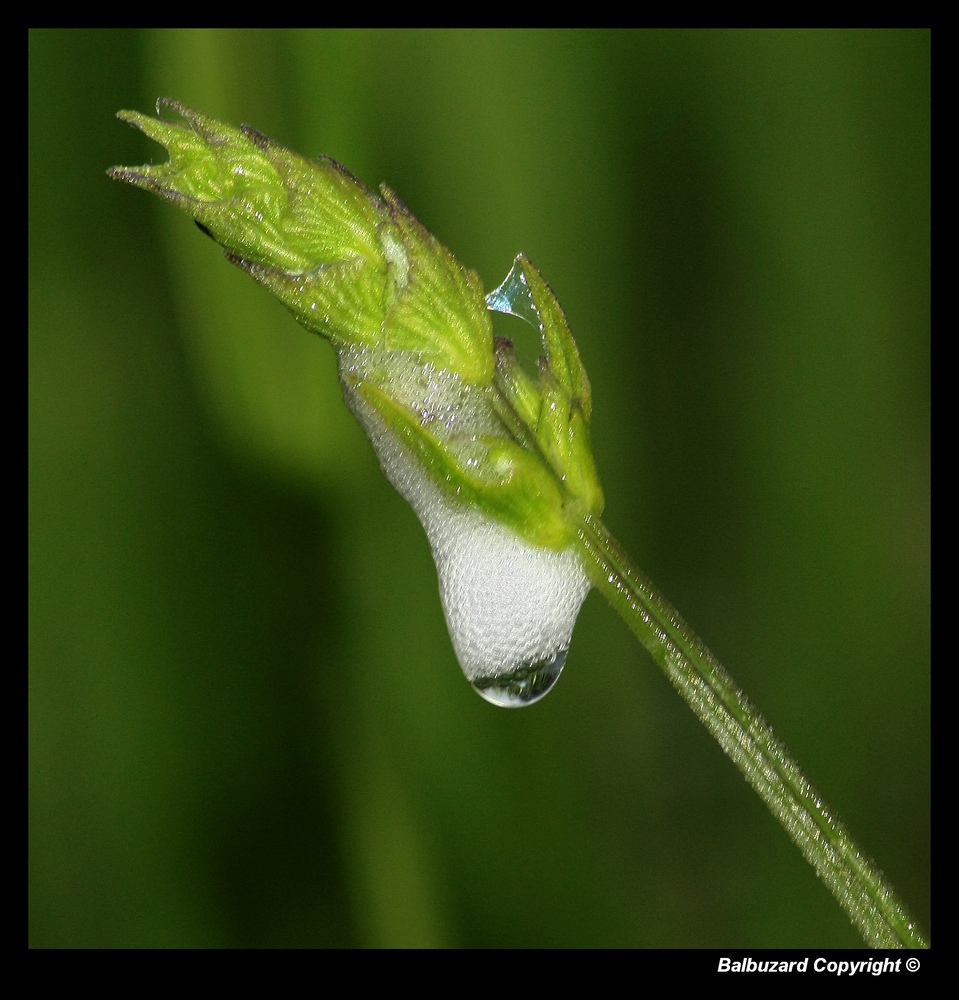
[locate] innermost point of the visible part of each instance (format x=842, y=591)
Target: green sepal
x=563, y=435
x=342, y=301
x=525, y=294
x=434, y=291
x=495, y=475
x=554, y=413
x=518, y=388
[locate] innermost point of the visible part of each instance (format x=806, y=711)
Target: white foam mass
x=507, y=603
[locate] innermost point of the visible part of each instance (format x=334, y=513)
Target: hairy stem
x=748, y=740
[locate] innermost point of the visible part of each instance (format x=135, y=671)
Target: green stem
x=746, y=737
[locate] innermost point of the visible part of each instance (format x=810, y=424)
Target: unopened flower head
x=496, y=464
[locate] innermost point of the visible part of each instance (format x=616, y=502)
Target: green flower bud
x=496, y=464
x=351, y=265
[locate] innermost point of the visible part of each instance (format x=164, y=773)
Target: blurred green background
x=247, y=726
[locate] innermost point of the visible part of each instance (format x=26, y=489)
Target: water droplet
x=517, y=687
x=513, y=297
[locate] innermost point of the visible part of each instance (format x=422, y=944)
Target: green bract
x=410, y=322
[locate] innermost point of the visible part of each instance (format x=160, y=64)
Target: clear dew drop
x=517, y=687
x=513, y=297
